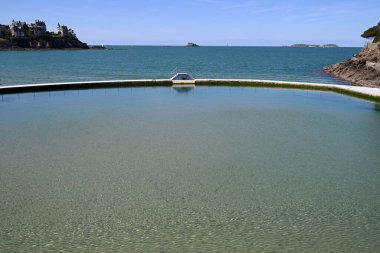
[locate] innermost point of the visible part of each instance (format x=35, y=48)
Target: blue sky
x=206, y=22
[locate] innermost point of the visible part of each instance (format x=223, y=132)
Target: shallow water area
x=211, y=169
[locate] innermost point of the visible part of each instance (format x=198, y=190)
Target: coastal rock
x=362, y=69
x=98, y=47
x=190, y=44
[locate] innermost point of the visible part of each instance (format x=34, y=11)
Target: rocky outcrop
x=43, y=43
x=362, y=69
x=190, y=44
x=98, y=47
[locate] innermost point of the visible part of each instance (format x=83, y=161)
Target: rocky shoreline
x=362, y=69
x=45, y=43
x=49, y=49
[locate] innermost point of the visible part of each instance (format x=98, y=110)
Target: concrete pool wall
x=367, y=93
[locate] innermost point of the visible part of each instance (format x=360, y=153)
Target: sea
x=155, y=62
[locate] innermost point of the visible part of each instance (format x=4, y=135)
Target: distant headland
x=22, y=36
x=314, y=45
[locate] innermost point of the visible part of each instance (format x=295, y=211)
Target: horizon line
x=181, y=45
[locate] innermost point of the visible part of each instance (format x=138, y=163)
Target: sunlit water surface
x=214, y=169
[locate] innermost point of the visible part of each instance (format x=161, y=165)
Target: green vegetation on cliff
x=373, y=33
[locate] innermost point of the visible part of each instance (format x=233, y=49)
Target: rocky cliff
x=362, y=69
x=42, y=43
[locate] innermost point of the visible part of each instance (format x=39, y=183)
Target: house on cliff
x=17, y=30
x=64, y=31
x=38, y=28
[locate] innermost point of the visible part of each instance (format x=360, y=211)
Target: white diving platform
x=181, y=79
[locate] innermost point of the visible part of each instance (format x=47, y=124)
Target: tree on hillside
x=373, y=33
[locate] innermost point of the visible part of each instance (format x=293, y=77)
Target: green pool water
x=212, y=169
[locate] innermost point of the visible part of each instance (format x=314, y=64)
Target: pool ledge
x=367, y=93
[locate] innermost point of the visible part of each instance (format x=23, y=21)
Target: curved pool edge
x=27, y=88
x=366, y=93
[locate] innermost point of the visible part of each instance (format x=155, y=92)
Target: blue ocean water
x=153, y=62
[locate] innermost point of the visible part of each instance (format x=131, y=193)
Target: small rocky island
x=191, y=44
x=363, y=69
x=22, y=36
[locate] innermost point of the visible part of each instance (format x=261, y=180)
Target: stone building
x=17, y=29
x=64, y=31
x=38, y=28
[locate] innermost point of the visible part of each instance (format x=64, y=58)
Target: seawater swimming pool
x=226, y=169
